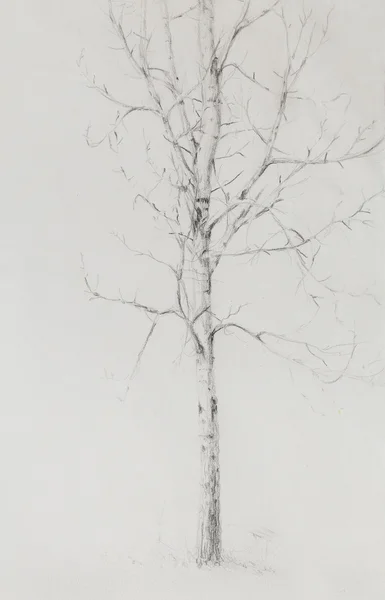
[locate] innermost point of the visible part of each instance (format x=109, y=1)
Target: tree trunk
x=209, y=525
x=209, y=549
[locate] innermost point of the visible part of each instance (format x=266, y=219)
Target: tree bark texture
x=209, y=550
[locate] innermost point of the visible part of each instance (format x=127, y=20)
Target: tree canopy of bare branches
x=225, y=174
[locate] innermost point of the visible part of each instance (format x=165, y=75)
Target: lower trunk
x=209, y=549
x=209, y=525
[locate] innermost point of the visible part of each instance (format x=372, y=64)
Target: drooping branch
x=102, y=89
x=158, y=212
x=322, y=355
x=119, y=120
x=150, y=310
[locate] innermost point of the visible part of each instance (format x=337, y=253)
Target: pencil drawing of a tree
x=230, y=171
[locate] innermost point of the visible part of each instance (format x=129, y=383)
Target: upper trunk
x=210, y=114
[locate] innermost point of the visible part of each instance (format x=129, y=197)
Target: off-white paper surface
x=99, y=487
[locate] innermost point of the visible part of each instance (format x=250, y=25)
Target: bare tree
x=205, y=127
